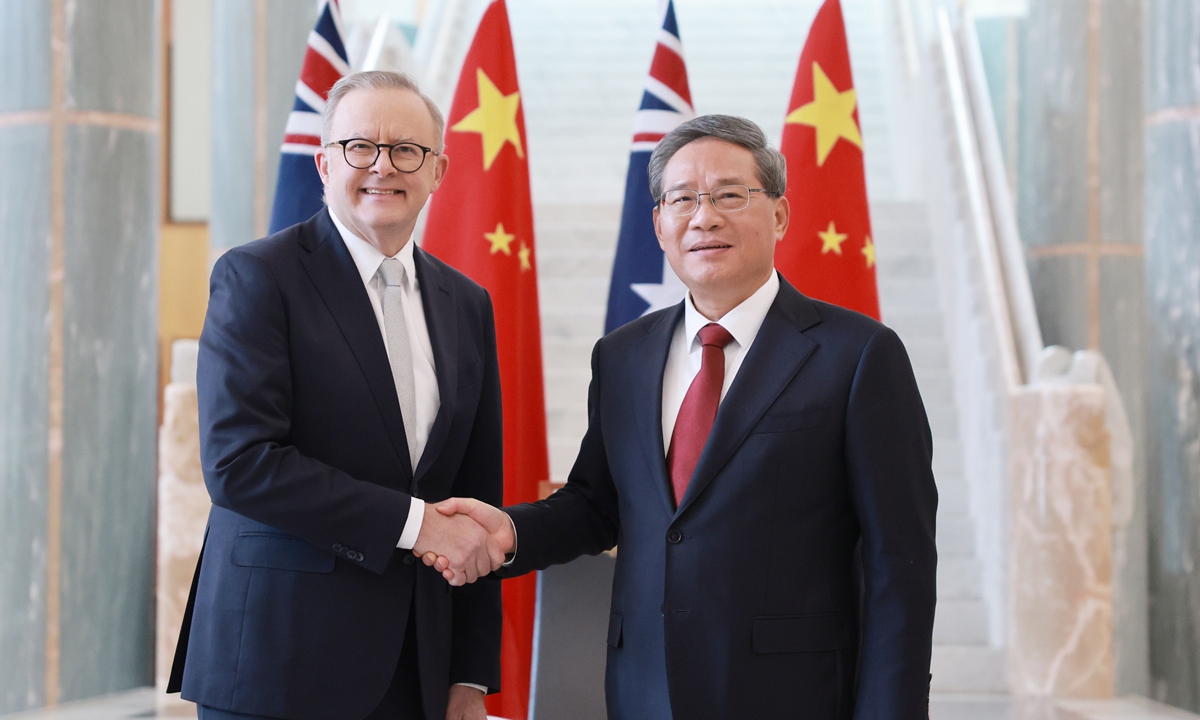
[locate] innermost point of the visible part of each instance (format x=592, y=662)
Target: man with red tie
x=743, y=449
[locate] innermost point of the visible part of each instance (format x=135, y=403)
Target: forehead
x=388, y=112
x=710, y=159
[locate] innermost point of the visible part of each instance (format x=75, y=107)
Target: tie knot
x=714, y=334
x=392, y=272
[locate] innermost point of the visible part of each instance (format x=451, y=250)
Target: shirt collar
x=367, y=257
x=742, y=322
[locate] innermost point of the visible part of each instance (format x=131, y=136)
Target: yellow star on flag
x=869, y=251
x=524, y=254
x=495, y=119
x=832, y=240
x=500, y=240
x=831, y=113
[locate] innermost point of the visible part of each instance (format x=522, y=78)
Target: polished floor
x=142, y=704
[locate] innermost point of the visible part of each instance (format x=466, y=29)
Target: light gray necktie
x=399, y=350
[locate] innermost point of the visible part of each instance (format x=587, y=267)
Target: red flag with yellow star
x=827, y=252
x=481, y=222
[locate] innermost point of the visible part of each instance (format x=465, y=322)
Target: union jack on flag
x=642, y=282
x=298, y=191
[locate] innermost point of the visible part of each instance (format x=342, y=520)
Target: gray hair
x=380, y=80
x=772, y=166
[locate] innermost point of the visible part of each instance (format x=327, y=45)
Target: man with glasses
x=345, y=377
x=743, y=448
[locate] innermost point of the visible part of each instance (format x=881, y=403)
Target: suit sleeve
x=889, y=451
x=245, y=390
x=477, y=614
x=582, y=517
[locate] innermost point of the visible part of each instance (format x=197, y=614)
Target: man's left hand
x=466, y=703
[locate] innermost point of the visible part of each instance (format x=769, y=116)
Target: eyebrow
x=408, y=137
x=720, y=182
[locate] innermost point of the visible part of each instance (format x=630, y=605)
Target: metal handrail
x=995, y=291
x=1027, y=331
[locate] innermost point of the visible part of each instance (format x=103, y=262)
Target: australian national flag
x=298, y=191
x=641, y=279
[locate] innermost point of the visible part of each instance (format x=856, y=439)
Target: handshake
x=464, y=539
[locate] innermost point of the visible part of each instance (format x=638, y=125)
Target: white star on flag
x=661, y=295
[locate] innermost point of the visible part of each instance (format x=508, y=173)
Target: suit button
x=358, y=556
x=674, y=536
x=337, y=547
x=409, y=559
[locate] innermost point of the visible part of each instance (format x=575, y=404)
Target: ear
x=658, y=229
x=322, y=160
x=440, y=164
x=782, y=217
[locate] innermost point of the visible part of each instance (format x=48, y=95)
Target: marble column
x=79, y=144
x=1078, y=181
x=1172, y=226
x=258, y=47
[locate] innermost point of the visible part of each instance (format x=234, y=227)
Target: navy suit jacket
x=744, y=601
x=301, y=599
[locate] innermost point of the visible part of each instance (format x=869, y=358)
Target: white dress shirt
x=686, y=353
x=367, y=259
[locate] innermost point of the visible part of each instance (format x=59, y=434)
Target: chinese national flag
x=827, y=252
x=481, y=222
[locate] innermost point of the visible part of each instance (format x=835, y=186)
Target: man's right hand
x=468, y=549
x=493, y=520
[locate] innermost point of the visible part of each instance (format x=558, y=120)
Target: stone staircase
x=963, y=660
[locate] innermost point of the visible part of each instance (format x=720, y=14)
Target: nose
x=383, y=166
x=706, y=216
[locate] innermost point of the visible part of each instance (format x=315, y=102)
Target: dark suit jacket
x=301, y=599
x=743, y=602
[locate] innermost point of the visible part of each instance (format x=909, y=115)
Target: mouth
x=703, y=247
x=381, y=191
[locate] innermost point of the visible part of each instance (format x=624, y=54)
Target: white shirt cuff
x=480, y=688
x=412, y=527
x=513, y=554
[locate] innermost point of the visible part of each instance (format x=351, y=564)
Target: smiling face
x=722, y=257
x=380, y=204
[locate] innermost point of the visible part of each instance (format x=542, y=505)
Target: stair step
x=969, y=669
x=947, y=464
x=926, y=325
x=959, y=578
x=955, y=536
x=928, y=355
x=912, y=265
x=960, y=622
x=935, y=386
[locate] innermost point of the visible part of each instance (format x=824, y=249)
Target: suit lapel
x=648, y=356
x=332, y=271
x=777, y=354
x=441, y=317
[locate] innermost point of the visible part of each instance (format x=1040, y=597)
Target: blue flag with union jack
x=298, y=192
x=642, y=281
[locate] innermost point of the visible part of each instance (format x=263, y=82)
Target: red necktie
x=699, y=409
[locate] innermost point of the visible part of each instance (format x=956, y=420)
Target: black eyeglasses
x=360, y=153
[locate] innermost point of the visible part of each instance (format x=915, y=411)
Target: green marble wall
x=109, y=323
x=24, y=365
x=236, y=98
x=1172, y=227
